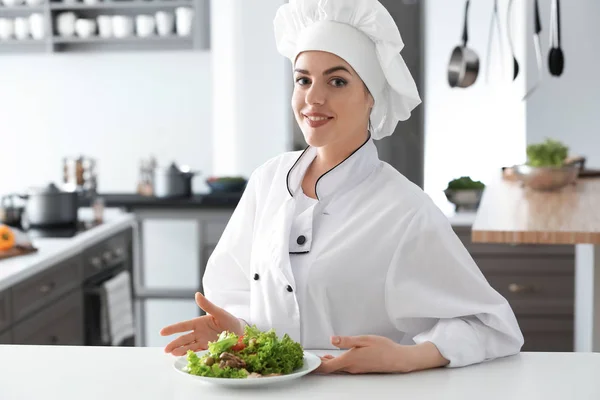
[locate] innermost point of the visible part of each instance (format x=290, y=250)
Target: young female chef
x=335, y=247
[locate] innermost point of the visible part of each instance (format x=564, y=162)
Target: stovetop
x=60, y=231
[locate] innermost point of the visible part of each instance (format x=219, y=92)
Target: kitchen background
x=225, y=109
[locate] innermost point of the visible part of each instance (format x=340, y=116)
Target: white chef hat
x=364, y=34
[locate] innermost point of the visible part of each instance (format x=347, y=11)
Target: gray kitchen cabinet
x=60, y=323
x=538, y=281
x=173, y=246
x=5, y=309
x=41, y=289
x=160, y=313
x=5, y=337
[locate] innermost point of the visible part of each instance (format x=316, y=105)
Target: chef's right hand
x=203, y=329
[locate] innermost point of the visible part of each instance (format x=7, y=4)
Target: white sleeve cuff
x=457, y=340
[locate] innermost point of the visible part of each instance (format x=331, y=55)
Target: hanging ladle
x=538, y=48
x=556, y=58
x=510, y=41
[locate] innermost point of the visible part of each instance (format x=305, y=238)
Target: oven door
x=95, y=313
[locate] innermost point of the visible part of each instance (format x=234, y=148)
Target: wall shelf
x=198, y=40
x=120, y=5
x=6, y=10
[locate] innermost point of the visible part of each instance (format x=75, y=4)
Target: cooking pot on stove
x=173, y=181
x=50, y=206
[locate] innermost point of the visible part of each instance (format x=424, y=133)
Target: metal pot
x=173, y=181
x=463, y=67
x=547, y=178
x=50, y=206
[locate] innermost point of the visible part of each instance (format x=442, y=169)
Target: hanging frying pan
x=463, y=67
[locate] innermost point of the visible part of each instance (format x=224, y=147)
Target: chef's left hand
x=367, y=354
x=379, y=354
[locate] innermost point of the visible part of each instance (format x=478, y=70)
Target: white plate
x=311, y=362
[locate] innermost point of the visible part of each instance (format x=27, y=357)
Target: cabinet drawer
x=464, y=235
x=45, y=287
x=5, y=309
x=5, y=338
x=60, y=323
x=542, y=266
x=547, y=334
x=536, y=294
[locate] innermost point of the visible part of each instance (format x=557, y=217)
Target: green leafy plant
x=550, y=153
x=465, y=183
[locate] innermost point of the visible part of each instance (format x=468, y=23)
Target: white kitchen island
x=115, y=373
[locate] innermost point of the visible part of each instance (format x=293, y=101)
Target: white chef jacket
x=373, y=255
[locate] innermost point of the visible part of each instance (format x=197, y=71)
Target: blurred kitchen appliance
x=49, y=206
x=10, y=210
x=173, y=181
x=145, y=185
x=80, y=175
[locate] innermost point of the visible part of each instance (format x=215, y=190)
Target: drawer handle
x=119, y=252
x=517, y=288
x=47, y=288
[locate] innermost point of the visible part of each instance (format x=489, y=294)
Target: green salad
x=253, y=355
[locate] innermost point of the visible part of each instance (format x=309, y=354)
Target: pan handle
x=558, y=23
x=538, y=22
x=465, y=36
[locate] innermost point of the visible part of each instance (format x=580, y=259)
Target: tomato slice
x=239, y=346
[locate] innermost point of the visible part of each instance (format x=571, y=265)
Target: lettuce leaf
x=266, y=354
x=196, y=366
x=225, y=342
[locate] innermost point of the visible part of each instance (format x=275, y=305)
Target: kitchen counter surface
x=66, y=373
x=54, y=250
x=132, y=201
x=509, y=213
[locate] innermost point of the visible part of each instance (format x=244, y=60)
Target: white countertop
x=54, y=250
x=90, y=373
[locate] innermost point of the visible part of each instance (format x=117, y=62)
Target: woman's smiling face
x=330, y=101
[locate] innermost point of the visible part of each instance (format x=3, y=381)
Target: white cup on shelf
x=105, y=26
x=122, y=26
x=65, y=23
x=7, y=28
x=37, y=26
x=21, y=28
x=85, y=27
x=11, y=3
x=184, y=17
x=165, y=23
x=144, y=25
